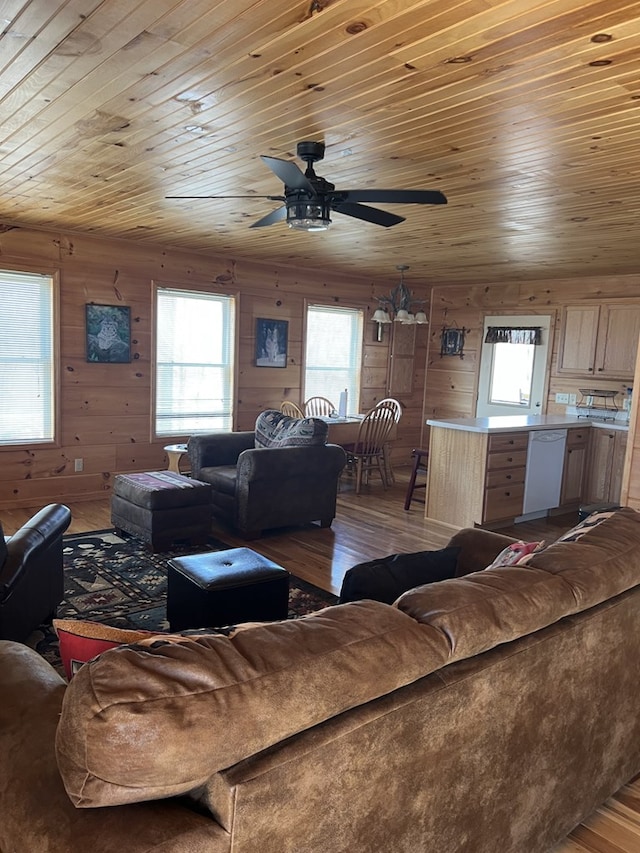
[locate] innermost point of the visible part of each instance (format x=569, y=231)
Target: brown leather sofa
x=489, y=712
x=31, y=577
x=279, y=475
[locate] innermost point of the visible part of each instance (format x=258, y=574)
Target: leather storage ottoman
x=224, y=588
x=160, y=507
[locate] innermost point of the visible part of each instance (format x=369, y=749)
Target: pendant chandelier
x=398, y=306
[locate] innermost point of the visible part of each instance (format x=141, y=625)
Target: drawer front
x=503, y=502
x=505, y=477
x=577, y=437
x=508, y=441
x=507, y=459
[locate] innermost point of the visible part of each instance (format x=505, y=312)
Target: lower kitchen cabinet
x=575, y=466
x=606, y=464
x=505, y=475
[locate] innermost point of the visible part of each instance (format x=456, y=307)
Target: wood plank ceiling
x=525, y=113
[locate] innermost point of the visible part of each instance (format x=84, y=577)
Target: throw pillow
x=387, y=578
x=81, y=640
x=516, y=554
x=586, y=525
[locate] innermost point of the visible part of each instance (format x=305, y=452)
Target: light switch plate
x=562, y=398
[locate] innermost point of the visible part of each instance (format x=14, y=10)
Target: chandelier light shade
x=397, y=306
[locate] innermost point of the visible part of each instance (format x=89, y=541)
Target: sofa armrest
x=37, y=814
x=217, y=449
x=479, y=548
x=277, y=464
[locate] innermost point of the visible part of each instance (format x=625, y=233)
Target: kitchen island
x=478, y=468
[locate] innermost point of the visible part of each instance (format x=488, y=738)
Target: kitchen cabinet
x=606, y=464
x=505, y=474
x=599, y=340
x=575, y=466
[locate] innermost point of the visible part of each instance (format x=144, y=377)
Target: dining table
x=344, y=430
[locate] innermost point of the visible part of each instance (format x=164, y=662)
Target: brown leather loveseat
x=489, y=712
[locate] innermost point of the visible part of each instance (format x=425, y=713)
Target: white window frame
x=352, y=382
x=536, y=405
x=29, y=357
x=219, y=416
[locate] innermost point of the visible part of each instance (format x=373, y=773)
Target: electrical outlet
x=573, y=399
x=78, y=465
x=562, y=398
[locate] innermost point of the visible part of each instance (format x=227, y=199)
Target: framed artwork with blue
x=108, y=334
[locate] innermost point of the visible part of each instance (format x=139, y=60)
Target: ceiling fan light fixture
x=402, y=316
x=421, y=318
x=308, y=215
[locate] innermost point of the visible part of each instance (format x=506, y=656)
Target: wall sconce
x=400, y=303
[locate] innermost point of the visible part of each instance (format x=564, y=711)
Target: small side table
x=175, y=452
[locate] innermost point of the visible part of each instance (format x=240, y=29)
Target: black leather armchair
x=31, y=574
x=260, y=488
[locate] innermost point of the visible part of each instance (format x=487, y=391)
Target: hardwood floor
x=372, y=525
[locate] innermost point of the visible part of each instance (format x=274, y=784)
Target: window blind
x=333, y=354
x=27, y=368
x=195, y=343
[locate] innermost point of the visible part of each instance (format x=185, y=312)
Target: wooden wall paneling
x=44, y=462
x=44, y=490
x=630, y=491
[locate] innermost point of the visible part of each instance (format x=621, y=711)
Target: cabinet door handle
x=507, y=494
x=508, y=476
x=509, y=458
x=600, y=369
x=590, y=369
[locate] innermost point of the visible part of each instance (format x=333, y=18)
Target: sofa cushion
x=494, y=606
x=149, y=721
x=387, y=578
x=273, y=429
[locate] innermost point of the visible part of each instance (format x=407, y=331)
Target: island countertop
x=522, y=423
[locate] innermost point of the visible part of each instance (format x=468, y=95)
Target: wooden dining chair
x=367, y=454
x=290, y=409
x=318, y=406
x=397, y=408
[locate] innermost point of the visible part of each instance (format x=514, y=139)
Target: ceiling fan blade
x=369, y=214
x=276, y=215
x=396, y=196
x=270, y=197
x=290, y=174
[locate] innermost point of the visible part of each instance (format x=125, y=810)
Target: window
x=333, y=354
x=27, y=358
x=195, y=341
x=513, y=364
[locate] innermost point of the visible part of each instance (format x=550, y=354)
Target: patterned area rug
x=115, y=580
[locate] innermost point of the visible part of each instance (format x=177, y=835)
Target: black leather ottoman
x=160, y=507
x=225, y=587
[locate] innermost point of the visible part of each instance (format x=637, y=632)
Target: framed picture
x=271, y=342
x=108, y=333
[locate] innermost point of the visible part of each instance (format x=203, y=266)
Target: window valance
x=514, y=335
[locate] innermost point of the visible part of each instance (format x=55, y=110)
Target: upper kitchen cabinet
x=599, y=340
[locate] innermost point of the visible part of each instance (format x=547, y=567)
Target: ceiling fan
x=308, y=199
